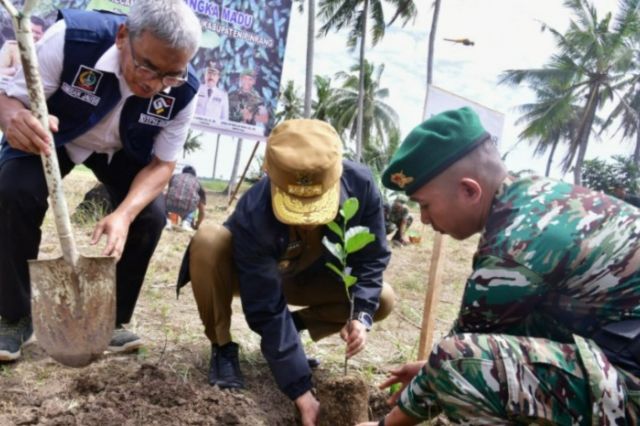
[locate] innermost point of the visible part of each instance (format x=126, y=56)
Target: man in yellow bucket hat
x=269, y=251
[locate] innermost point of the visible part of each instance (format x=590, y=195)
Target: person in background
x=121, y=97
x=397, y=220
x=549, y=327
x=620, y=191
x=186, y=197
x=9, y=53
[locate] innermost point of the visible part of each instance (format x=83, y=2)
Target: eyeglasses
x=146, y=73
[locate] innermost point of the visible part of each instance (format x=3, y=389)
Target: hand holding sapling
x=351, y=240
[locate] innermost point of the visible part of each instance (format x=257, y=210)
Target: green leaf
x=349, y=280
x=335, y=269
x=335, y=228
x=349, y=208
x=334, y=248
x=394, y=388
x=357, y=238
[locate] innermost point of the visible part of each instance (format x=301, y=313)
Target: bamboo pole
x=432, y=297
x=29, y=59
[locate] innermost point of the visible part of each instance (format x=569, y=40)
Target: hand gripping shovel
x=73, y=297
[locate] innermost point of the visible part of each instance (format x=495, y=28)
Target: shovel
x=72, y=297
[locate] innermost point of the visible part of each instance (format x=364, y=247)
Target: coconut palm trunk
x=583, y=134
x=363, y=39
x=432, y=39
x=636, y=151
x=311, y=31
x=547, y=170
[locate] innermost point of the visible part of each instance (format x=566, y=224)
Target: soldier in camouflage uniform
x=548, y=328
x=246, y=105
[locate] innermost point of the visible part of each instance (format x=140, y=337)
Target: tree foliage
x=591, y=65
x=604, y=176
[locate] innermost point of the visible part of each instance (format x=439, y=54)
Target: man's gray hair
x=171, y=21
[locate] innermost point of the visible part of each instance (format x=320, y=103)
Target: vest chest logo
x=159, y=111
x=161, y=106
x=84, y=85
x=87, y=79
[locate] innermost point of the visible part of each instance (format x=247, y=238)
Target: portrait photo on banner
x=238, y=64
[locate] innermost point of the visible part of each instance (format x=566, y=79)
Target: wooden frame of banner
x=244, y=173
x=432, y=297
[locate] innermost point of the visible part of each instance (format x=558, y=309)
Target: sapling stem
x=349, y=320
x=351, y=240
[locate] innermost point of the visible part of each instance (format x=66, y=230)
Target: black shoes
x=124, y=340
x=224, y=368
x=13, y=335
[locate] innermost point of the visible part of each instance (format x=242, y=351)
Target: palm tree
x=626, y=111
x=290, y=103
x=311, y=30
x=338, y=14
x=324, y=94
x=550, y=120
x=192, y=143
x=594, y=56
x=379, y=119
x=430, y=53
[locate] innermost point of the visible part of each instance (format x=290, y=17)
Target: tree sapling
x=350, y=241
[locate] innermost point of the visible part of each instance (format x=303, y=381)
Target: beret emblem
x=400, y=179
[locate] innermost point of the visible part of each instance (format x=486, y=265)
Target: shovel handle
x=29, y=59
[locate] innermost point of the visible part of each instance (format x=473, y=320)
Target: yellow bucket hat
x=303, y=160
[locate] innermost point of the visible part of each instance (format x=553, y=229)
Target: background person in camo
x=185, y=196
x=548, y=328
x=397, y=220
x=213, y=102
x=270, y=252
x=620, y=191
x=101, y=72
x=247, y=106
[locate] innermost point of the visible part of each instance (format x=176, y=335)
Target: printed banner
x=439, y=100
x=239, y=62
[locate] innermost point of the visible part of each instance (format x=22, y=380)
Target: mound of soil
x=344, y=401
x=113, y=393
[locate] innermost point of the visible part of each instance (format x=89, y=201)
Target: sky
x=507, y=35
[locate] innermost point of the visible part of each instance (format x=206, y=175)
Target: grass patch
x=217, y=185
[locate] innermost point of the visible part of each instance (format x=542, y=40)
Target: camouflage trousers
x=484, y=379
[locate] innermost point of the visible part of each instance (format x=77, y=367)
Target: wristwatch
x=365, y=319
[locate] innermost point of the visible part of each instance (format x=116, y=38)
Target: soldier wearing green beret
x=246, y=105
x=549, y=327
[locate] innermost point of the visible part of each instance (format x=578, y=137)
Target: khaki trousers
x=215, y=282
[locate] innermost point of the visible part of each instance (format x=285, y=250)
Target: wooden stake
x=432, y=297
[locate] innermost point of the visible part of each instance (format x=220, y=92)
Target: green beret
x=432, y=147
x=248, y=71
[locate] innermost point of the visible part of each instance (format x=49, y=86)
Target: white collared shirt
x=214, y=105
x=104, y=137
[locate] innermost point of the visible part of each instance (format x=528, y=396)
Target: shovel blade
x=74, y=312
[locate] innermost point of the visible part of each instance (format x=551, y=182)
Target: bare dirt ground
x=166, y=382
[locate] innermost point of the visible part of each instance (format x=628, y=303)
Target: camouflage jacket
x=239, y=101
x=555, y=261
